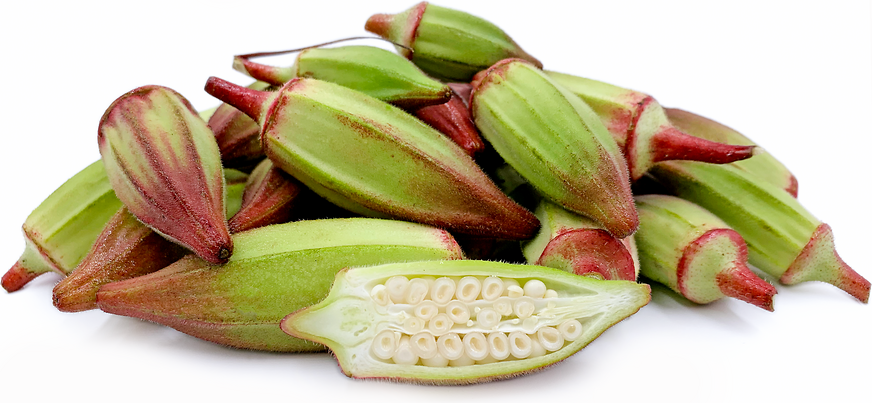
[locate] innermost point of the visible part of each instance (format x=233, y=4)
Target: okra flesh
x=457, y=322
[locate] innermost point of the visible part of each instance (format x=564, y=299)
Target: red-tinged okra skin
x=690, y=250
x=270, y=197
x=576, y=244
x=555, y=142
x=238, y=137
x=126, y=249
x=375, y=159
x=453, y=119
x=164, y=164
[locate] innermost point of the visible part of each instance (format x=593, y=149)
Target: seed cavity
x=455, y=322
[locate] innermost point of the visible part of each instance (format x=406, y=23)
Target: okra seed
x=475, y=345
x=550, y=338
x=498, y=344
x=450, y=346
x=488, y=318
x=535, y=289
x=405, y=355
x=520, y=345
x=424, y=345
x=426, y=310
x=385, y=344
x=570, y=329
x=443, y=290
x=515, y=291
x=550, y=294
x=468, y=289
x=524, y=307
x=397, y=288
x=413, y=325
x=440, y=324
x=379, y=294
x=416, y=291
x=508, y=282
x=491, y=288
x=503, y=306
x=457, y=312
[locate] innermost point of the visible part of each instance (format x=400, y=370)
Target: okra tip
x=249, y=101
x=673, y=144
x=819, y=261
x=17, y=277
x=742, y=284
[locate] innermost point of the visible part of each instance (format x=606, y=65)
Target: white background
x=794, y=76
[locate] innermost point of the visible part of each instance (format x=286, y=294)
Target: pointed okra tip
x=251, y=102
x=461, y=322
x=400, y=28
x=742, y=284
x=17, y=276
x=819, y=261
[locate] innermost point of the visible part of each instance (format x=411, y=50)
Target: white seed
x=520, y=345
x=468, y=289
x=514, y=291
x=570, y=329
x=487, y=318
x=475, y=345
x=436, y=361
x=550, y=294
x=491, y=288
x=450, y=346
x=380, y=295
x=463, y=361
x=498, y=345
x=440, y=324
x=423, y=344
x=442, y=290
x=405, y=355
x=416, y=291
x=413, y=325
x=523, y=307
x=397, y=288
x=503, y=306
x=535, y=289
x=550, y=338
x=384, y=345
x=426, y=310
x=457, y=312
x=508, y=282
x=536, y=349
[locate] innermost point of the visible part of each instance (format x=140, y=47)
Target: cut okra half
x=459, y=322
